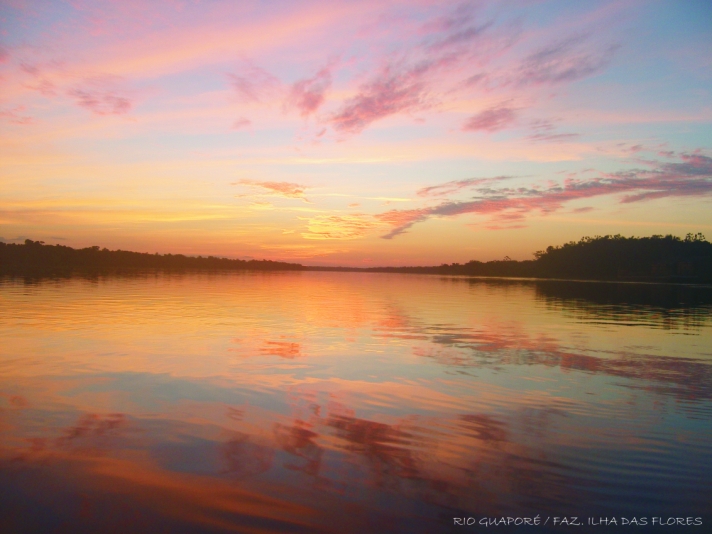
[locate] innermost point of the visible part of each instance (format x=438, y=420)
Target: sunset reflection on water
x=348, y=402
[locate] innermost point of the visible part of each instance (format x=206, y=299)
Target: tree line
x=35, y=258
x=654, y=258
x=611, y=257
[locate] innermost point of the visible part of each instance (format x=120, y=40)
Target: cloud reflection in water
x=348, y=402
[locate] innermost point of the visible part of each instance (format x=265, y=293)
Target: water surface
x=350, y=402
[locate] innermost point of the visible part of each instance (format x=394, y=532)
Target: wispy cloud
x=253, y=84
x=16, y=115
x=339, y=226
x=101, y=102
x=101, y=96
x=432, y=71
x=458, y=34
x=565, y=61
x=308, y=95
x=284, y=189
x=544, y=130
x=41, y=82
x=241, y=123
x=692, y=176
x=491, y=120
x=457, y=185
x=418, y=77
x=392, y=92
x=553, y=137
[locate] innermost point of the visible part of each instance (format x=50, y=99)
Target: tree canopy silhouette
x=655, y=258
x=36, y=258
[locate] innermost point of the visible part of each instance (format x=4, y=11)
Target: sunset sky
x=353, y=132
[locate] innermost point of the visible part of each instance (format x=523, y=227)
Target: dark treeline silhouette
x=618, y=257
x=34, y=258
x=656, y=258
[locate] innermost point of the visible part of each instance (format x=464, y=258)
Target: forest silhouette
x=655, y=258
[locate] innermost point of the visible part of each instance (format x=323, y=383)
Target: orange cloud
x=339, y=226
x=284, y=189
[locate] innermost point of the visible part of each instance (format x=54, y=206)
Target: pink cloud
x=29, y=69
x=690, y=177
x=42, y=84
x=101, y=102
x=432, y=69
x=308, y=95
x=15, y=115
x=391, y=93
x=101, y=96
x=457, y=185
x=418, y=76
x=44, y=87
x=491, y=119
x=240, y=123
x=252, y=83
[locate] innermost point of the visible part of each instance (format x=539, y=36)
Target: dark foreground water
x=348, y=402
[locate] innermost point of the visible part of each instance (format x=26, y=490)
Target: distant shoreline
x=655, y=259
x=435, y=271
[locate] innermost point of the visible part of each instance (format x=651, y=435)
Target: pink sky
x=353, y=133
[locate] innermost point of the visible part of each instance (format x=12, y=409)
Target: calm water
x=349, y=402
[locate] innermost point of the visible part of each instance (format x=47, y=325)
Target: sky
x=360, y=133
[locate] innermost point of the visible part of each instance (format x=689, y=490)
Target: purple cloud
x=460, y=37
x=491, y=120
x=555, y=138
x=474, y=80
x=692, y=164
x=565, y=61
x=690, y=177
x=544, y=130
x=457, y=185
